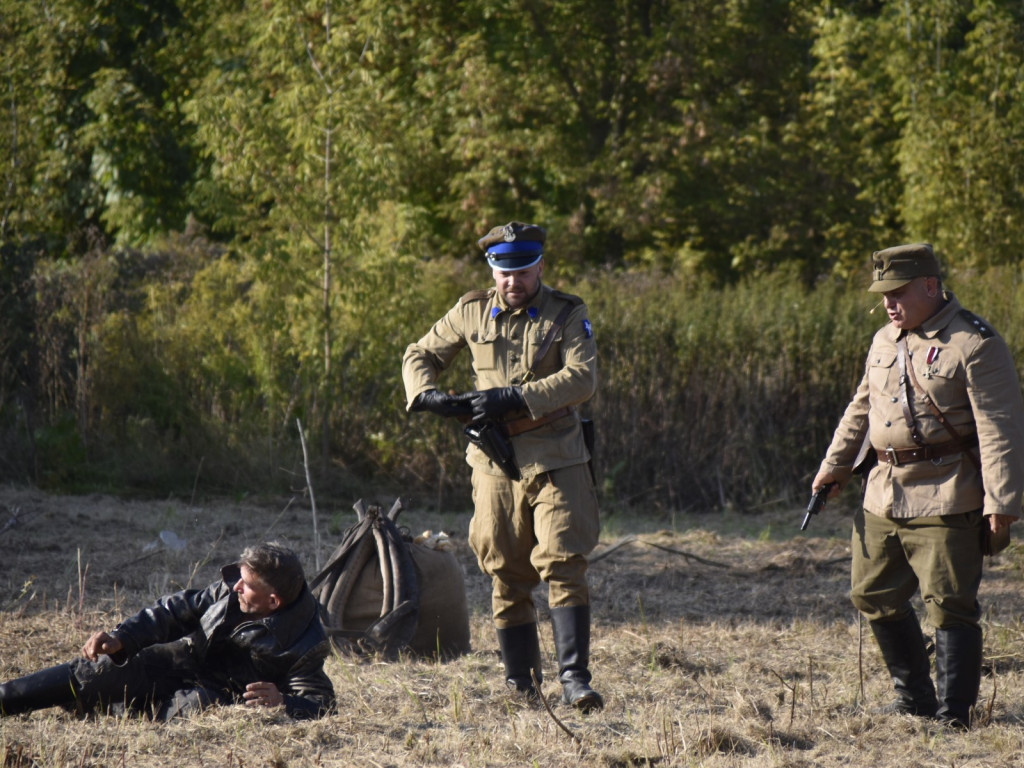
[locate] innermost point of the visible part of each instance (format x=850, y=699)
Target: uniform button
x=895, y=399
x=888, y=423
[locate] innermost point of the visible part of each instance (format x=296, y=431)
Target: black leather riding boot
x=520, y=653
x=571, y=627
x=51, y=687
x=958, y=672
x=906, y=657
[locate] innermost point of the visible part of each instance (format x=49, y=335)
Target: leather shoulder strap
x=560, y=319
x=905, y=364
x=938, y=414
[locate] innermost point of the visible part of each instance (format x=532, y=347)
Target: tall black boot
x=520, y=653
x=51, y=687
x=906, y=657
x=571, y=627
x=958, y=671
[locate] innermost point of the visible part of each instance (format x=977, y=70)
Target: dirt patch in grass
x=720, y=640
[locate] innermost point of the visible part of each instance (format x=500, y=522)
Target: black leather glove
x=442, y=404
x=492, y=403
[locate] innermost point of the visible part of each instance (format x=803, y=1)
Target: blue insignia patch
x=533, y=312
x=495, y=311
x=588, y=329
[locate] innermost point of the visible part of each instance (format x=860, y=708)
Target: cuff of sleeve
x=841, y=474
x=412, y=397
x=524, y=391
x=128, y=648
x=994, y=510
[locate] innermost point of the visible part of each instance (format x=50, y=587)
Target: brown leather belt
x=518, y=426
x=899, y=456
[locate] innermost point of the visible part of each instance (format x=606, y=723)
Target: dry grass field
x=752, y=657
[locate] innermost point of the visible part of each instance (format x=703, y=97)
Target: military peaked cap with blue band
x=895, y=267
x=514, y=246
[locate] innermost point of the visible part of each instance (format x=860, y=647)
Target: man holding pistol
x=535, y=510
x=940, y=406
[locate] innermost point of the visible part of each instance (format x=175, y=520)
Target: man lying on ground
x=254, y=637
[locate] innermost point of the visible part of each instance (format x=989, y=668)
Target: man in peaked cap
x=940, y=405
x=536, y=518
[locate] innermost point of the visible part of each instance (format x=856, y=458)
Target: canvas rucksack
x=382, y=593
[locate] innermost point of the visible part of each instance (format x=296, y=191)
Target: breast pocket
x=946, y=384
x=882, y=369
x=486, y=351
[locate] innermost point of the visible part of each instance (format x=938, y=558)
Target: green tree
x=962, y=154
x=92, y=136
x=916, y=115
x=852, y=132
x=289, y=118
x=642, y=133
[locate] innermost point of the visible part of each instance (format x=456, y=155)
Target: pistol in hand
x=817, y=502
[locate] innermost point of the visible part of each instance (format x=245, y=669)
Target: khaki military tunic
x=967, y=369
x=542, y=527
x=919, y=530
x=502, y=343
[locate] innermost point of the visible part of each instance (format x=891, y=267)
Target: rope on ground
x=631, y=539
x=544, y=701
x=17, y=517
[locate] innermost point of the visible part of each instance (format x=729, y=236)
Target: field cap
x=514, y=246
x=895, y=267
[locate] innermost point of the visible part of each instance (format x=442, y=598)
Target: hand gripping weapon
x=817, y=503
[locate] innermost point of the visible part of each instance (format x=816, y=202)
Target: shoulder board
x=475, y=296
x=979, y=325
x=566, y=297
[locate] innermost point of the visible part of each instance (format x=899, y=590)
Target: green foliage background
x=222, y=218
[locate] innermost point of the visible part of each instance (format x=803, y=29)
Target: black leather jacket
x=228, y=651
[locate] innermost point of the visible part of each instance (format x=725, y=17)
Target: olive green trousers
x=532, y=530
x=941, y=556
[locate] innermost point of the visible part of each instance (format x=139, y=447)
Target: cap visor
x=513, y=262
x=884, y=286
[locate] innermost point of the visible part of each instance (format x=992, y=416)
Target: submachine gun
x=816, y=504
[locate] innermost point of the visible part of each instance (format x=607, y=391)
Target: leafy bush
x=195, y=368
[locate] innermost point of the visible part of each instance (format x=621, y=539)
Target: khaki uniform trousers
x=534, y=530
x=893, y=557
